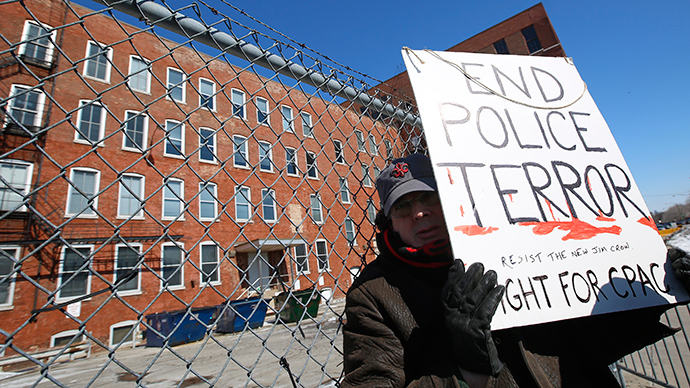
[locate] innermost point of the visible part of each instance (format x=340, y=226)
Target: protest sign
x=533, y=185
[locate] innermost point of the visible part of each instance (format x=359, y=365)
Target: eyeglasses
x=403, y=208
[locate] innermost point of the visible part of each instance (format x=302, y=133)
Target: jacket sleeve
x=374, y=354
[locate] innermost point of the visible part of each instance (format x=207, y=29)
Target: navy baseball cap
x=402, y=176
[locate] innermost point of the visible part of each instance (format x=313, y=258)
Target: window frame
x=25, y=90
x=212, y=97
x=108, y=61
x=182, y=85
x=124, y=190
x=306, y=260
x=180, y=216
x=101, y=125
x=373, y=147
x=27, y=182
x=361, y=145
x=145, y=131
x=204, y=187
x=131, y=75
x=339, y=152
x=348, y=222
x=346, y=192
x=50, y=47
x=201, y=263
x=307, y=130
x=533, y=37
x=366, y=179
x=66, y=333
x=288, y=124
x=319, y=260
x=312, y=167
x=132, y=342
x=389, y=149
x=266, y=194
x=248, y=197
x=241, y=110
x=371, y=211
x=180, y=247
x=71, y=192
x=315, y=199
x=59, y=297
x=266, y=148
x=267, y=120
x=292, y=161
x=116, y=268
x=169, y=140
x=204, y=145
x=11, y=280
x=243, y=149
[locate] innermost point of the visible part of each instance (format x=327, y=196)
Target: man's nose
x=419, y=210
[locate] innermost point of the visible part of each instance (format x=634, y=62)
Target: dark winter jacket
x=395, y=336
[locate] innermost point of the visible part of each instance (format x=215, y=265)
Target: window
x=173, y=199
x=176, y=85
x=240, y=159
x=8, y=257
x=131, y=195
x=136, y=129
x=90, y=123
x=15, y=184
x=208, y=208
x=350, y=231
x=501, y=47
x=291, y=161
x=66, y=337
x=207, y=143
x=307, y=130
x=322, y=255
x=174, y=138
x=37, y=42
x=377, y=172
x=139, y=75
x=238, y=104
x=389, y=149
x=338, y=146
x=25, y=106
x=301, y=258
x=360, y=140
x=209, y=263
x=316, y=213
x=243, y=207
x=98, y=59
x=371, y=211
x=366, y=180
x=531, y=39
x=268, y=205
x=207, y=94
x=123, y=333
x=344, y=191
x=74, y=279
x=312, y=169
x=82, y=190
x=262, y=111
x=126, y=262
x=172, y=269
x=373, y=148
x=287, y=119
x=265, y=156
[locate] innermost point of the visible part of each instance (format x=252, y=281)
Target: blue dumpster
x=179, y=326
x=241, y=313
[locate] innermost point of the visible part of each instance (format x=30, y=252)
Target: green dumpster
x=292, y=309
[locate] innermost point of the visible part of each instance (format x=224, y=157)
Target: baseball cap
x=402, y=176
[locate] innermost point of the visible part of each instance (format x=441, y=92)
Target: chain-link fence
x=182, y=175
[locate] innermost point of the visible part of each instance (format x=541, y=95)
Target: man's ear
x=382, y=222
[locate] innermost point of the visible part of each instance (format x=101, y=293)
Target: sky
x=631, y=54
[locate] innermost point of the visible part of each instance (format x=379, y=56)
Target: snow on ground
x=680, y=239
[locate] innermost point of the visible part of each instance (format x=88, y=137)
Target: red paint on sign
x=577, y=230
x=450, y=177
x=462, y=211
x=649, y=222
x=511, y=197
x=605, y=219
x=475, y=230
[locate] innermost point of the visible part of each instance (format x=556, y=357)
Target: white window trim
x=249, y=200
x=70, y=189
x=147, y=72
x=214, y=149
x=182, y=256
x=66, y=333
x=29, y=177
x=201, y=263
x=306, y=261
x=315, y=165
x=296, y=159
x=25, y=37
x=366, y=178
x=145, y=130
x=342, y=152
x=236, y=147
x=371, y=205
x=389, y=149
x=347, y=188
x=318, y=261
x=101, y=132
x=361, y=146
x=215, y=201
x=181, y=126
x=141, y=195
x=304, y=115
x=39, y=108
x=244, y=103
x=213, y=96
x=290, y=122
x=183, y=85
x=115, y=264
x=354, y=231
x=61, y=299
x=12, y=281
x=311, y=208
x=272, y=194
x=268, y=112
x=269, y=155
x=108, y=66
x=373, y=147
x=123, y=324
x=179, y=217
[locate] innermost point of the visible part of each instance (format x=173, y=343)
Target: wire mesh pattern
x=187, y=179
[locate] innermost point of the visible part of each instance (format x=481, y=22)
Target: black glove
x=680, y=262
x=470, y=301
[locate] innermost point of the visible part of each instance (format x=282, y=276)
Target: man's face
x=423, y=225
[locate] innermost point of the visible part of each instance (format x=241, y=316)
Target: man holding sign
x=535, y=188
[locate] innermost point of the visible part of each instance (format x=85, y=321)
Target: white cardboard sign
x=533, y=185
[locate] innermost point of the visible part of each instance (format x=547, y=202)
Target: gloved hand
x=680, y=262
x=470, y=301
